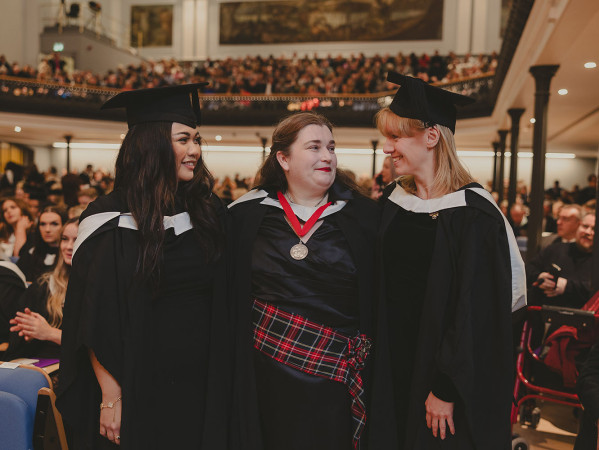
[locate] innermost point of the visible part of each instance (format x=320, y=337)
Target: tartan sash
x=314, y=349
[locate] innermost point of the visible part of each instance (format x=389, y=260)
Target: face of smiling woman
x=311, y=164
x=186, y=147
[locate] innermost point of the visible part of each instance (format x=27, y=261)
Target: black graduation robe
x=12, y=285
x=36, y=299
x=358, y=221
x=475, y=279
x=141, y=334
x=33, y=264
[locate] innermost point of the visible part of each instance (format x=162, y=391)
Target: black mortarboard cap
x=164, y=104
x=416, y=99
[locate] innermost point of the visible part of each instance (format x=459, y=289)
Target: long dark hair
x=147, y=175
x=271, y=174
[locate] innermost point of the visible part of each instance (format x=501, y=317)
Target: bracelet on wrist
x=109, y=404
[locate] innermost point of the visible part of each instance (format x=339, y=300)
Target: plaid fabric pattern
x=314, y=349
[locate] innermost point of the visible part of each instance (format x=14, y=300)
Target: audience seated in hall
x=561, y=273
x=35, y=330
x=270, y=75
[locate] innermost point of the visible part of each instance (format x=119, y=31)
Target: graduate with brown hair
x=451, y=274
x=304, y=269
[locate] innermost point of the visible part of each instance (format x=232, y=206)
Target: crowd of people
x=356, y=74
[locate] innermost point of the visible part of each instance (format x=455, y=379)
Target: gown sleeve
x=94, y=319
x=34, y=298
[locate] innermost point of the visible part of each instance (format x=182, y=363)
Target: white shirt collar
x=303, y=212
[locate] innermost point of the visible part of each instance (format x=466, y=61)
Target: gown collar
x=179, y=222
x=455, y=199
x=337, y=195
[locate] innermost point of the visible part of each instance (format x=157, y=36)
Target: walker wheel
x=519, y=443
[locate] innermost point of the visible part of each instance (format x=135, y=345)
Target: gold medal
x=299, y=251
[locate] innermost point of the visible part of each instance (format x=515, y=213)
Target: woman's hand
x=32, y=325
x=23, y=224
x=21, y=228
x=438, y=413
x=110, y=419
x=110, y=416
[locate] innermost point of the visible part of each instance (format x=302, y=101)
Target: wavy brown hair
x=58, y=286
x=146, y=173
x=271, y=174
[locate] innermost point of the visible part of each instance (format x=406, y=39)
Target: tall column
x=515, y=115
x=542, y=75
x=202, y=25
x=263, y=140
x=68, y=139
x=188, y=28
x=502, y=135
x=374, y=143
x=495, y=185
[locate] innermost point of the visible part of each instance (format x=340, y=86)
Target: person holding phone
x=560, y=274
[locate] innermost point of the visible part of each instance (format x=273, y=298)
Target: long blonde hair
x=450, y=174
x=57, y=281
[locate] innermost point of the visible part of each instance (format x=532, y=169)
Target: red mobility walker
x=573, y=331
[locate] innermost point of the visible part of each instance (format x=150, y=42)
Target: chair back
x=15, y=429
x=24, y=382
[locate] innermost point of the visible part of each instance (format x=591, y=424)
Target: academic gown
x=252, y=218
x=164, y=344
x=462, y=343
x=36, y=299
x=32, y=265
x=12, y=286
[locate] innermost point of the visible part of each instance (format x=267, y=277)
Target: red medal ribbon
x=299, y=230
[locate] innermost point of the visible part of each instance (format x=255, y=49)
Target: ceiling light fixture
x=590, y=65
x=17, y=129
x=218, y=138
x=533, y=120
x=562, y=91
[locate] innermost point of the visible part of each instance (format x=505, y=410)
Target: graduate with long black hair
x=143, y=363
x=451, y=274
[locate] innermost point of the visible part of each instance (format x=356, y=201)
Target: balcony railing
x=71, y=100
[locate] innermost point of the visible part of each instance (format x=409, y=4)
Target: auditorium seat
x=19, y=388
